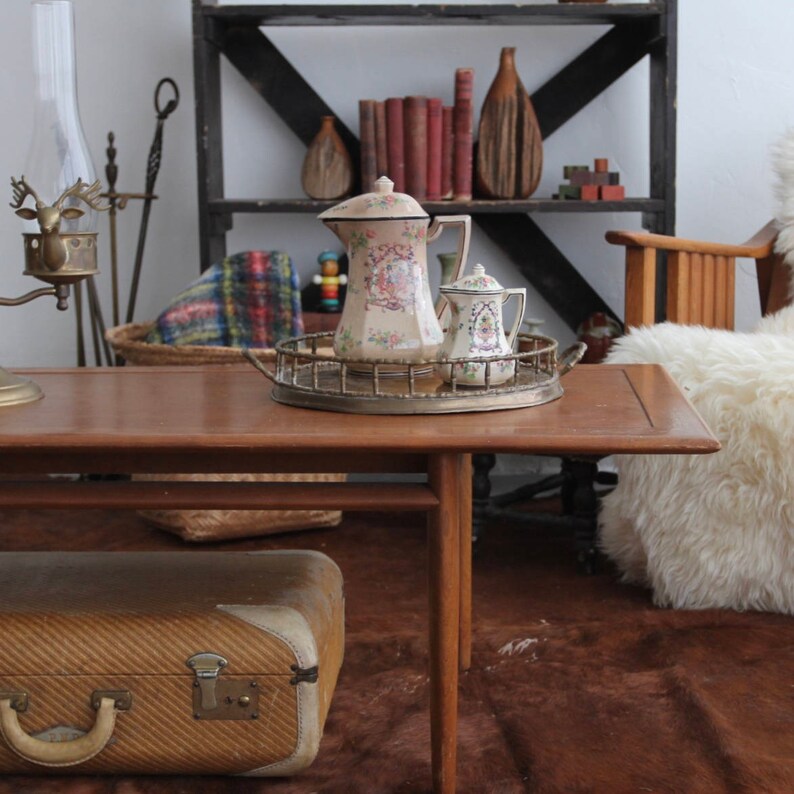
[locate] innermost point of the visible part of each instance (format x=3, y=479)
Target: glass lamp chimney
x=58, y=155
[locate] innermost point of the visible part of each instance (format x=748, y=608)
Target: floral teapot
x=388, y=313
x=476, y=330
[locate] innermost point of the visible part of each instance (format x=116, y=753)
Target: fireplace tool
x=117, y=202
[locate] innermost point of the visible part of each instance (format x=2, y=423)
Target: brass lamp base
x=16, y=390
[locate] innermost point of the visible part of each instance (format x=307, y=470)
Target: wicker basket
x=129, y=342
x=212, y=525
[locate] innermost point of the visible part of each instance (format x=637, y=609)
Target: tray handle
x=570, y=357
x=56, y=754
x=247, y=354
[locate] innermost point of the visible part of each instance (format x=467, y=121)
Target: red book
x=381, y=147
x=416, y=147
x=463, y=123
x=434, y=142
x=395, y=142
x=366, y=133
x=447, y=144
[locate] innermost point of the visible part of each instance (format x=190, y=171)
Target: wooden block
x=589, y=192
x=601, y=178
x=614, y=178
x=612, y=192
x=567, y=170
x=570, y=192
x=601, y=165
x=582, y=178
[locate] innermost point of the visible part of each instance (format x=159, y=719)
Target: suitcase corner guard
x=66, y=753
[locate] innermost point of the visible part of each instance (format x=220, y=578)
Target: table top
x=605, y=409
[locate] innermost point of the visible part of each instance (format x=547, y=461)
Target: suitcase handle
x=66, y=753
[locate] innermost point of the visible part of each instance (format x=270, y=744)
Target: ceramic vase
x=510, y=149
x=327, y=171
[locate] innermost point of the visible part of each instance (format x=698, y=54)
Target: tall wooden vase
x=510, y=149
x=327, y=171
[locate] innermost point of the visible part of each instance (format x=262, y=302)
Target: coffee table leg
x=465, y=518
x=445, y=594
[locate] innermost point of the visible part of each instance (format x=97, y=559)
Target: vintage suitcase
x=167, y=662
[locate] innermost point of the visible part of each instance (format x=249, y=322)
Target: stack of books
x=422, y=145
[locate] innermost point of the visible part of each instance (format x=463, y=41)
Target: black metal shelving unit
x=238, y=32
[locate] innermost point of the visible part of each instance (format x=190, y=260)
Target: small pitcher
x=476, y=330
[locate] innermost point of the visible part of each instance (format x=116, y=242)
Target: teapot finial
x=477, y=270
x=384, y=185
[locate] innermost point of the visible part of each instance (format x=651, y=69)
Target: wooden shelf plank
x=514, y=14
x=475, y=207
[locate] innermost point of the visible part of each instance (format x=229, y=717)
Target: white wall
x=735, y=98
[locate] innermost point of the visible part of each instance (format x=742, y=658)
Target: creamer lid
x=476, y=281
x=382, y=204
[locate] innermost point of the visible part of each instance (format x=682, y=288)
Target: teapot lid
x=382, y=204
x=477, y=281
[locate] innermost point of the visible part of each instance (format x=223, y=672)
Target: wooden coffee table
x=207, y=420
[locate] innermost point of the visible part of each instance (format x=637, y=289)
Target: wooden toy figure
x=329, y=280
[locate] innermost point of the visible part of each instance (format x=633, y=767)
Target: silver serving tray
x=308, y=375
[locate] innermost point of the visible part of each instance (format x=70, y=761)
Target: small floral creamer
x=477, y=330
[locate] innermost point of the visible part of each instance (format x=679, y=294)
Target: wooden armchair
x=700, y=277
x=714, y=533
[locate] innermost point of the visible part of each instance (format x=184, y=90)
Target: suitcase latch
x=216, y=699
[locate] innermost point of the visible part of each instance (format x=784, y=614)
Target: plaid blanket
x=251, y=299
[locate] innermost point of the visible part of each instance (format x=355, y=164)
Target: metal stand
x=576, y=483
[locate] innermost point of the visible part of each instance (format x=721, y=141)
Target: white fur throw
x=714, y=530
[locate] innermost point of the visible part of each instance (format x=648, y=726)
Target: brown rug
x=578, y=683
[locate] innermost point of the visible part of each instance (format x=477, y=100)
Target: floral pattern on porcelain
x=415, y=232
x=386, y=339
x=385, y=201
x=359, y=241
x=481, y=283
x=485, y=328
x=432, y=334
x=475, y=373
x=344, y=341
x=393, y=277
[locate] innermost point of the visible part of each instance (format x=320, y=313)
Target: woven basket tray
x=213, y=525
x=128, y=342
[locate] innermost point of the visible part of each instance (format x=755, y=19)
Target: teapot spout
x=341, y=229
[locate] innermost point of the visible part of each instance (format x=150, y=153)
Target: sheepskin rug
x=713, y=530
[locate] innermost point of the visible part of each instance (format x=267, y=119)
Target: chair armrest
x=758, y=246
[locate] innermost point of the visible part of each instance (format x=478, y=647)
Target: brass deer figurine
x=54, y=252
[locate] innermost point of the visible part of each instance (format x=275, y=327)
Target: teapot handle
x=522, y=294
x=434, y=232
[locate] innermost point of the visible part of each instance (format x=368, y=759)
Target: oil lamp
x=57, y=195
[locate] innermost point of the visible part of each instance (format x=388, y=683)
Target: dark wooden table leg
x=445, y=595
x=465, y=518
x=583, y=504
x=481, y=492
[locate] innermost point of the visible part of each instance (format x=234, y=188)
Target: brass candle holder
x=59, y=259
